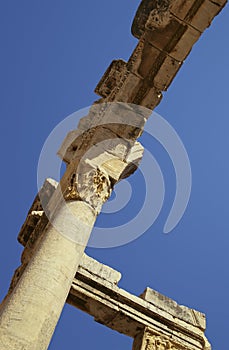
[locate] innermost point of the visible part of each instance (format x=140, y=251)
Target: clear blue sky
x=53, y=53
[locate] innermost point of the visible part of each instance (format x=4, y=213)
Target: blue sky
x=53, y=53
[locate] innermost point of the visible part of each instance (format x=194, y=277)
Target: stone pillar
x=30, y=314
x=166, y=34
x=33, y=306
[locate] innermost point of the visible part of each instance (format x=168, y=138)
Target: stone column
x=33, y=306
x=166, y=35
x=29, y=316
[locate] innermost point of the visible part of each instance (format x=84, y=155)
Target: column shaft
x=29, y=316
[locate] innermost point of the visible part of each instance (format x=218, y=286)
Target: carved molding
x=154, y=342
x=150, y=340
x=89, y=184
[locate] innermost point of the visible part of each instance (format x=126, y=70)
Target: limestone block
x=34, y=238
x=115, y=112
x=199, y=15
x=128, y=90
x=204, y=16
x=174, y=26
x=137, y=91
x=221, y=3
x=106, y=138
x=165, y=75
x=93, y=118
x=116, y=147
x=125, y=120
x=176, y=39
x=95, y=270
x=69, y=145
x=111, y=78
x=77, y=143
x=154, y=65
x=99, y=156
x=36, y=210
x=153, y=14
x=148, y=97
x=184, y=313
x=183, y=8
x=133, y=160
x=119, y=124
x=155, y=11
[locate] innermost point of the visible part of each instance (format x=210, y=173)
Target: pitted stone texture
x=148, y=339
x=95, y=291
x=149, y=62
x=112, y=78
x=167, y=30
x=154, y=14
x=95, y=270
x=119, y=124
x=36, y=210
x=184, y=313
x=115, y=167
x=126, y=313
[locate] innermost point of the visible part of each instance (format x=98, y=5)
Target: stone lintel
x=172, y=307
x=167, y=31
x=101, y=273
x=199, y=14
x=138, y=91
x=153, y=64
x=129, y=314
x=152, y=14
x=177, y=39
x=127, y=88
x=111, y=78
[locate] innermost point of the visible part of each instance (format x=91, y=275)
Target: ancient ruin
x=166, y=31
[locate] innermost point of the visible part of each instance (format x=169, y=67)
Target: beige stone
x=157, y=318
x=154, y=65
x=198, y=17
x=95, y=290
x=53, y=251
x=111, y=78
x=177, y=41
x=197, y=14
x=186, y=314
x=29, y=316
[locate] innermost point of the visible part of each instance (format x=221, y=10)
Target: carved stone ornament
x=91, y=185
x=152, y=341
x=72, y=192
x=157, y=343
